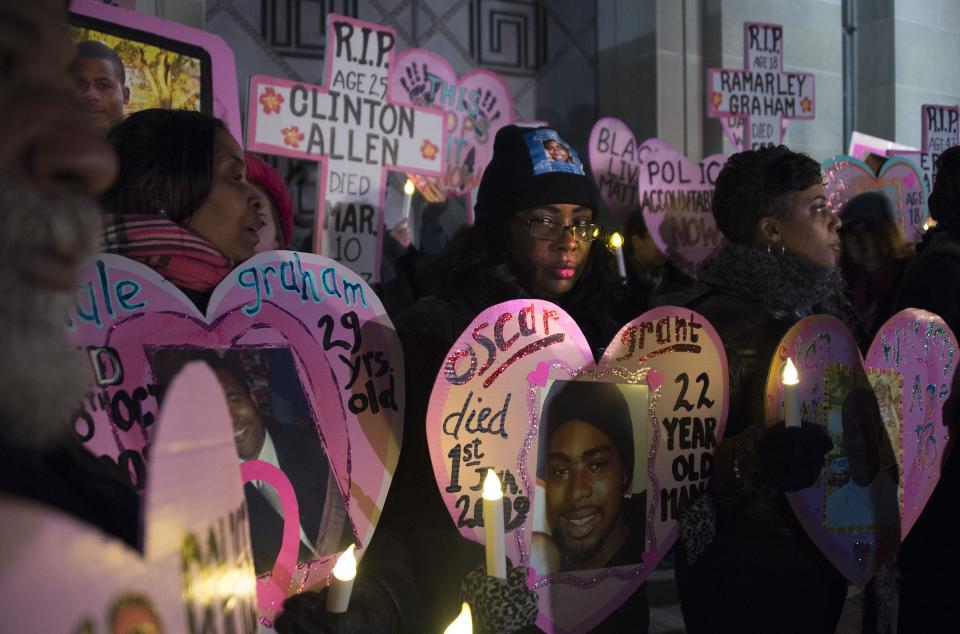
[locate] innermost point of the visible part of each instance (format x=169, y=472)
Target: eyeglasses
x=546, y=229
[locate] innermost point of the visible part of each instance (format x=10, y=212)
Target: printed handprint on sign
x=487, y=113
x=476, y=105
x=420, y=89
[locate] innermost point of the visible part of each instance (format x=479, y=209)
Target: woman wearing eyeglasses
x=533, y=237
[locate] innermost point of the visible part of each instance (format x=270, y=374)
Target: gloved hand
x=371, y=610
x=499, y=605
x=791, y=458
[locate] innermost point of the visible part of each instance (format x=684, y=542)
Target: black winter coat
x=760, y=572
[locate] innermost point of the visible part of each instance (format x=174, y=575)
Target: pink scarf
x=177, y=254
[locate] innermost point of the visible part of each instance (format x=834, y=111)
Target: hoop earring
x=769, y=252
x=783, y=250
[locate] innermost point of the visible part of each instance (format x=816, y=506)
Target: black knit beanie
x=531, y=167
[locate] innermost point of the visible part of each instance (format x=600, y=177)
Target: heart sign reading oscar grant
x=195, y=572
x=477, y=105
x=675, y=199
x=597, y=460
x=884, y=416
x=314, y=372
x=615, y=160
x=900, y=180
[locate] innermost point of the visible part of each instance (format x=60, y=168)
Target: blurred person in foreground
x=52, y=162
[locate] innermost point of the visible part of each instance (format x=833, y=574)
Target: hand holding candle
x=616, y=245
x=791, y=395
x=408, y=189
x=493, y=526
x=344, y=572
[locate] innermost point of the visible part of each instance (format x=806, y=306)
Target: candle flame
x=491, y=486
x=616, y=240
x=463, y=624
x=346, y=567
x=409, y=188
x=790, y=376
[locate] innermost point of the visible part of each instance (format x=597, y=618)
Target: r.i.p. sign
x=940, y=126
x=754, y=103
x=354, y=130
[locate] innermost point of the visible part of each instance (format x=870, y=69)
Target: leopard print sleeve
x=499, y=605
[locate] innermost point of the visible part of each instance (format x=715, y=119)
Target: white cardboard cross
x=756, y=103
x=354, y=131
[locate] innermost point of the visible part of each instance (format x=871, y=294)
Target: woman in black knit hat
x=533, y=237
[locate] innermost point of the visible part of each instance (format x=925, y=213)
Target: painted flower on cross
x=292, y=136
x=716, y=98
x=806, y=105
x=271, y=101
x=429, y=150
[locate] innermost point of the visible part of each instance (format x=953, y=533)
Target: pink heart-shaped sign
x=675, y=197
x=884, y=416
x=477, y=105
x=322, y=382
x=196, y=566
x=900, y=180
x=654, y=379
x=615, y=160
x=520, y=394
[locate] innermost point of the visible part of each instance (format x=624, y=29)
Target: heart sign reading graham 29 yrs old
x=314, y=373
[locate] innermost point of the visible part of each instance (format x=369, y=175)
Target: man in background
x=100, y=80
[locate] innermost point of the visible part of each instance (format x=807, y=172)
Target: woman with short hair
x=746, y=564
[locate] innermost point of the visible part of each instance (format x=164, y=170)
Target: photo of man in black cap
x=593, y=511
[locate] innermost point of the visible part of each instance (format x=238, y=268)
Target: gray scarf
x=782, y=283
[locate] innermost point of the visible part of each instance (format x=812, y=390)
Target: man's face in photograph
x=101, y=90
x=584, y=487
x=248, y=431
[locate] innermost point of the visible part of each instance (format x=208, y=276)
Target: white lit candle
x=408, y=189
x=791, y=395
x=493, y=526
x=616, y=245
x=344, y=571
x=463, y=624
